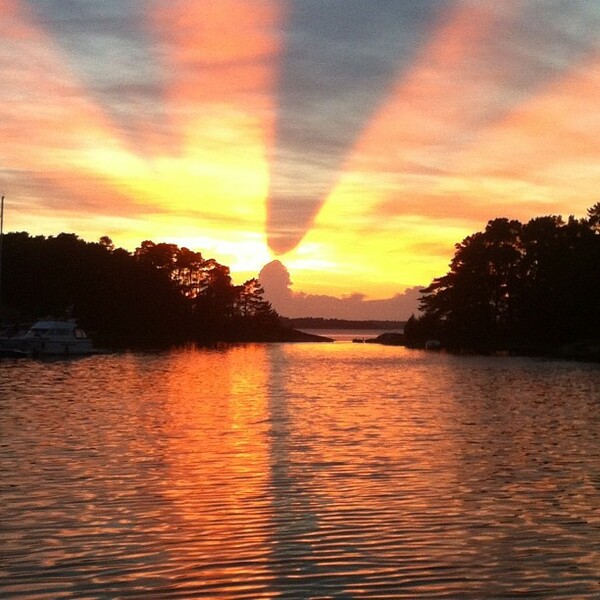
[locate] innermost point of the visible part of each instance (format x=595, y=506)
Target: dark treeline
x=156, y=295
x=323, y=323
x=527, y=288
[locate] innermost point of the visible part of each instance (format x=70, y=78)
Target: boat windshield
x=60, y=331
x=42, y=331
x=37, y=331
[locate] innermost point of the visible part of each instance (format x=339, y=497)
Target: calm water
x=299, y=471
x=347, y=335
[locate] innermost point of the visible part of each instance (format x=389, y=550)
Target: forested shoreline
x=529, y=288
x=158, y=295
x=327, y=323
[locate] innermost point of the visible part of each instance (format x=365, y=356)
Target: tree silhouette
x=529, y=287
x=159, y=294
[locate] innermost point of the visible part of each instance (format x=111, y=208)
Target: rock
x=389, y=338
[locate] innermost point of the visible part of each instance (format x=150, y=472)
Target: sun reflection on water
x=312, y=470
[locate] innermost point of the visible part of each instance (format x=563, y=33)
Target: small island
x=388, y=338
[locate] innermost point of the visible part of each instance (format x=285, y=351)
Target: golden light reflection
x=255, y=471
x=218, y=456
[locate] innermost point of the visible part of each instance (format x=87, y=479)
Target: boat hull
x=49, y=338
x=41, y=347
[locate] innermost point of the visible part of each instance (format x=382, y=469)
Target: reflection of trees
x=533, y=286
x=159, y=293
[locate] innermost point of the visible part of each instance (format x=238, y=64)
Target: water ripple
x=310, y=471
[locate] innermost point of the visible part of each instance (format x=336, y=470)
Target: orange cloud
x=42, y=107
x=439, y=102
x=48, y=125
x=220, y=57
x=482, y=126
x=549, y=144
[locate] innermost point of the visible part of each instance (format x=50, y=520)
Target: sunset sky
x=356, y=141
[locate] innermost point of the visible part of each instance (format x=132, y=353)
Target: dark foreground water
x=299, y=471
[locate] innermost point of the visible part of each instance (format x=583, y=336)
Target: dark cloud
x=277, y=284
x=113, y=54
x=340, y=59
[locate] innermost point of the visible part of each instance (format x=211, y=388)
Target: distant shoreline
x=323, y=323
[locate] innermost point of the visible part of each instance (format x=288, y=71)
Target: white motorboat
x=50, y=337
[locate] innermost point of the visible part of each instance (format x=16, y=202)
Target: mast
x=1, y=238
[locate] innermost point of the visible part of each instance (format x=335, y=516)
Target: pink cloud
x=276, y=281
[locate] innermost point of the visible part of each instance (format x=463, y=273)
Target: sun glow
x=213, y=171
x=395, y=172
x=485, y=121
x=223, y=56
x=447, y=151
